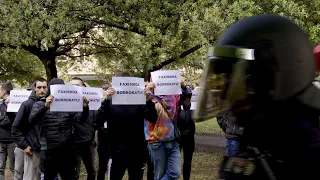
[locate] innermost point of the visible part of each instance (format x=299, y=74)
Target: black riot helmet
x=266, y=56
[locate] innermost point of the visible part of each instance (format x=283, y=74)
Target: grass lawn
x=205, y=163
x=209, y=127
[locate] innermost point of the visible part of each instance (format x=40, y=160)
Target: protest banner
x=67, y=98
x=129, y=90
x=17, y=97
x=94, y=96
x=168, y=82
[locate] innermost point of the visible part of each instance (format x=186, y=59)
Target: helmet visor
x=223, y=83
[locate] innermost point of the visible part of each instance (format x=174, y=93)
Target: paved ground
x=8, y=175
x=215, y=141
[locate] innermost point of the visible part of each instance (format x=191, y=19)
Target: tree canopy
x=131, y=35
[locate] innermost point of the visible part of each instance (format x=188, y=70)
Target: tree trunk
x=49, y=63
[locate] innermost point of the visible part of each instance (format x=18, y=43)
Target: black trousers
x=85, y=151
x=103, y=153
x=187, y=144
x=131, y=160
x=60, y=160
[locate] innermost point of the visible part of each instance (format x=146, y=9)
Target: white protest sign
x=194, y=99
x=129, y=90
x=17, y=97
x=167, y=82
x=67, y=98
x=94, y=96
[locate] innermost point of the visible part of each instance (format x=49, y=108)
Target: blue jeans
x=232, y=147
x=165, y=157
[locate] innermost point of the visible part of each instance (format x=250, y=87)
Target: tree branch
x=84, y=55
x=97, y=45
x=69, y=47
x=8, y=45
x=32, y=49
x=173, y=59
x=173, y=20
x=110, y=24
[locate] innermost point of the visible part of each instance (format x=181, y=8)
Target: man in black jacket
x=26, y=136
x=103, y=146
x=84, y=140
x=57, y=126
x=126, y=134
x=7, y=144
x=232, y=130
x=187, y=129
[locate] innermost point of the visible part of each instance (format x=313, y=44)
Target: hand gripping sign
x=67, y=98
x=94, y=96
x=129, y=90
x=168, y=82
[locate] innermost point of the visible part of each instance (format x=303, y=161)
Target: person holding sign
x=162, y=136
x=56, y=135
x=125, y=128
x=84, y=139
x=7, y=144
x=103, y=144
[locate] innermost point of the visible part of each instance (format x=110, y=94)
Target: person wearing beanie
x=56, y=135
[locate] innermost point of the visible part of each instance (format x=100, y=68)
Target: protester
x=148, y=161
x=7, y=144
x=187, y=129
x=149, y=164
x=233, y=131
x=58, y=126
x=84, y=140
x=162, y=136
x=125, y=130
x=103, y=146
x=27, y=154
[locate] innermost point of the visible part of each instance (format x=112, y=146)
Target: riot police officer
x=262, y=68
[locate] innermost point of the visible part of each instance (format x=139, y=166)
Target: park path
x=215, y=141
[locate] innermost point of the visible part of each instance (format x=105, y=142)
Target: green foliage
x=19, y=65
x=135, y=36
x=164, y=30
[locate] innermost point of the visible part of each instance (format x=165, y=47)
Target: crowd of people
x=42, y=144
